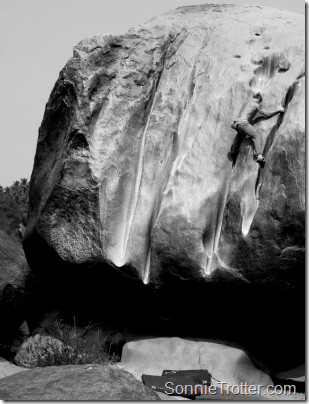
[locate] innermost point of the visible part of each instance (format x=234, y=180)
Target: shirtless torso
x=250, y=108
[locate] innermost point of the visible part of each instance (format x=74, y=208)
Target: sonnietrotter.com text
x=225, y=388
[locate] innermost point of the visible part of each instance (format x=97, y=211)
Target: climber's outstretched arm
x=269, y=114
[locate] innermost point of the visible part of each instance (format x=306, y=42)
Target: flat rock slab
x=227, y=364
x=231, y=366
x=74, y=382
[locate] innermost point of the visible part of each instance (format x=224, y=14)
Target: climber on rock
x=242, y=124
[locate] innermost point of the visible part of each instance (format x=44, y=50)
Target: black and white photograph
x=152, y=200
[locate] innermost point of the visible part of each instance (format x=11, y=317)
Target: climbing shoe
x=261, y=160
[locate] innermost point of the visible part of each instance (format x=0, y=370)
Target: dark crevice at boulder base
x=233, y=311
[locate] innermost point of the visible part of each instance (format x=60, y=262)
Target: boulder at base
x=227, y=364
x=35, y=348
x=74, y=383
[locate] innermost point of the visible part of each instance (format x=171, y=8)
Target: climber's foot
x=230, y=156
x=261, y=160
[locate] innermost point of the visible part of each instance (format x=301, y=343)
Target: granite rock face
x=131, y=164
x=132, y=172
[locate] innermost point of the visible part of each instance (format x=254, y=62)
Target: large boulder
x=84, y=382
x=133, y=188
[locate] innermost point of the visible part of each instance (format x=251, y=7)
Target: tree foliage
x=14, y=201
x=19, y=191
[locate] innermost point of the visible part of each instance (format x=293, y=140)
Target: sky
x=36, y=40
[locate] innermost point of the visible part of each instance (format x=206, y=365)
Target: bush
x=19, y=192
x=74, y=349
x=14, y=202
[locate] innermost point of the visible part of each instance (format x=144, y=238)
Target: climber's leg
x=236, y=145
x=256, y=138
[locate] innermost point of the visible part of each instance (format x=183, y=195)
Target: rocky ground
x=8, y=369
x=18, y=383
x=74, y=382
